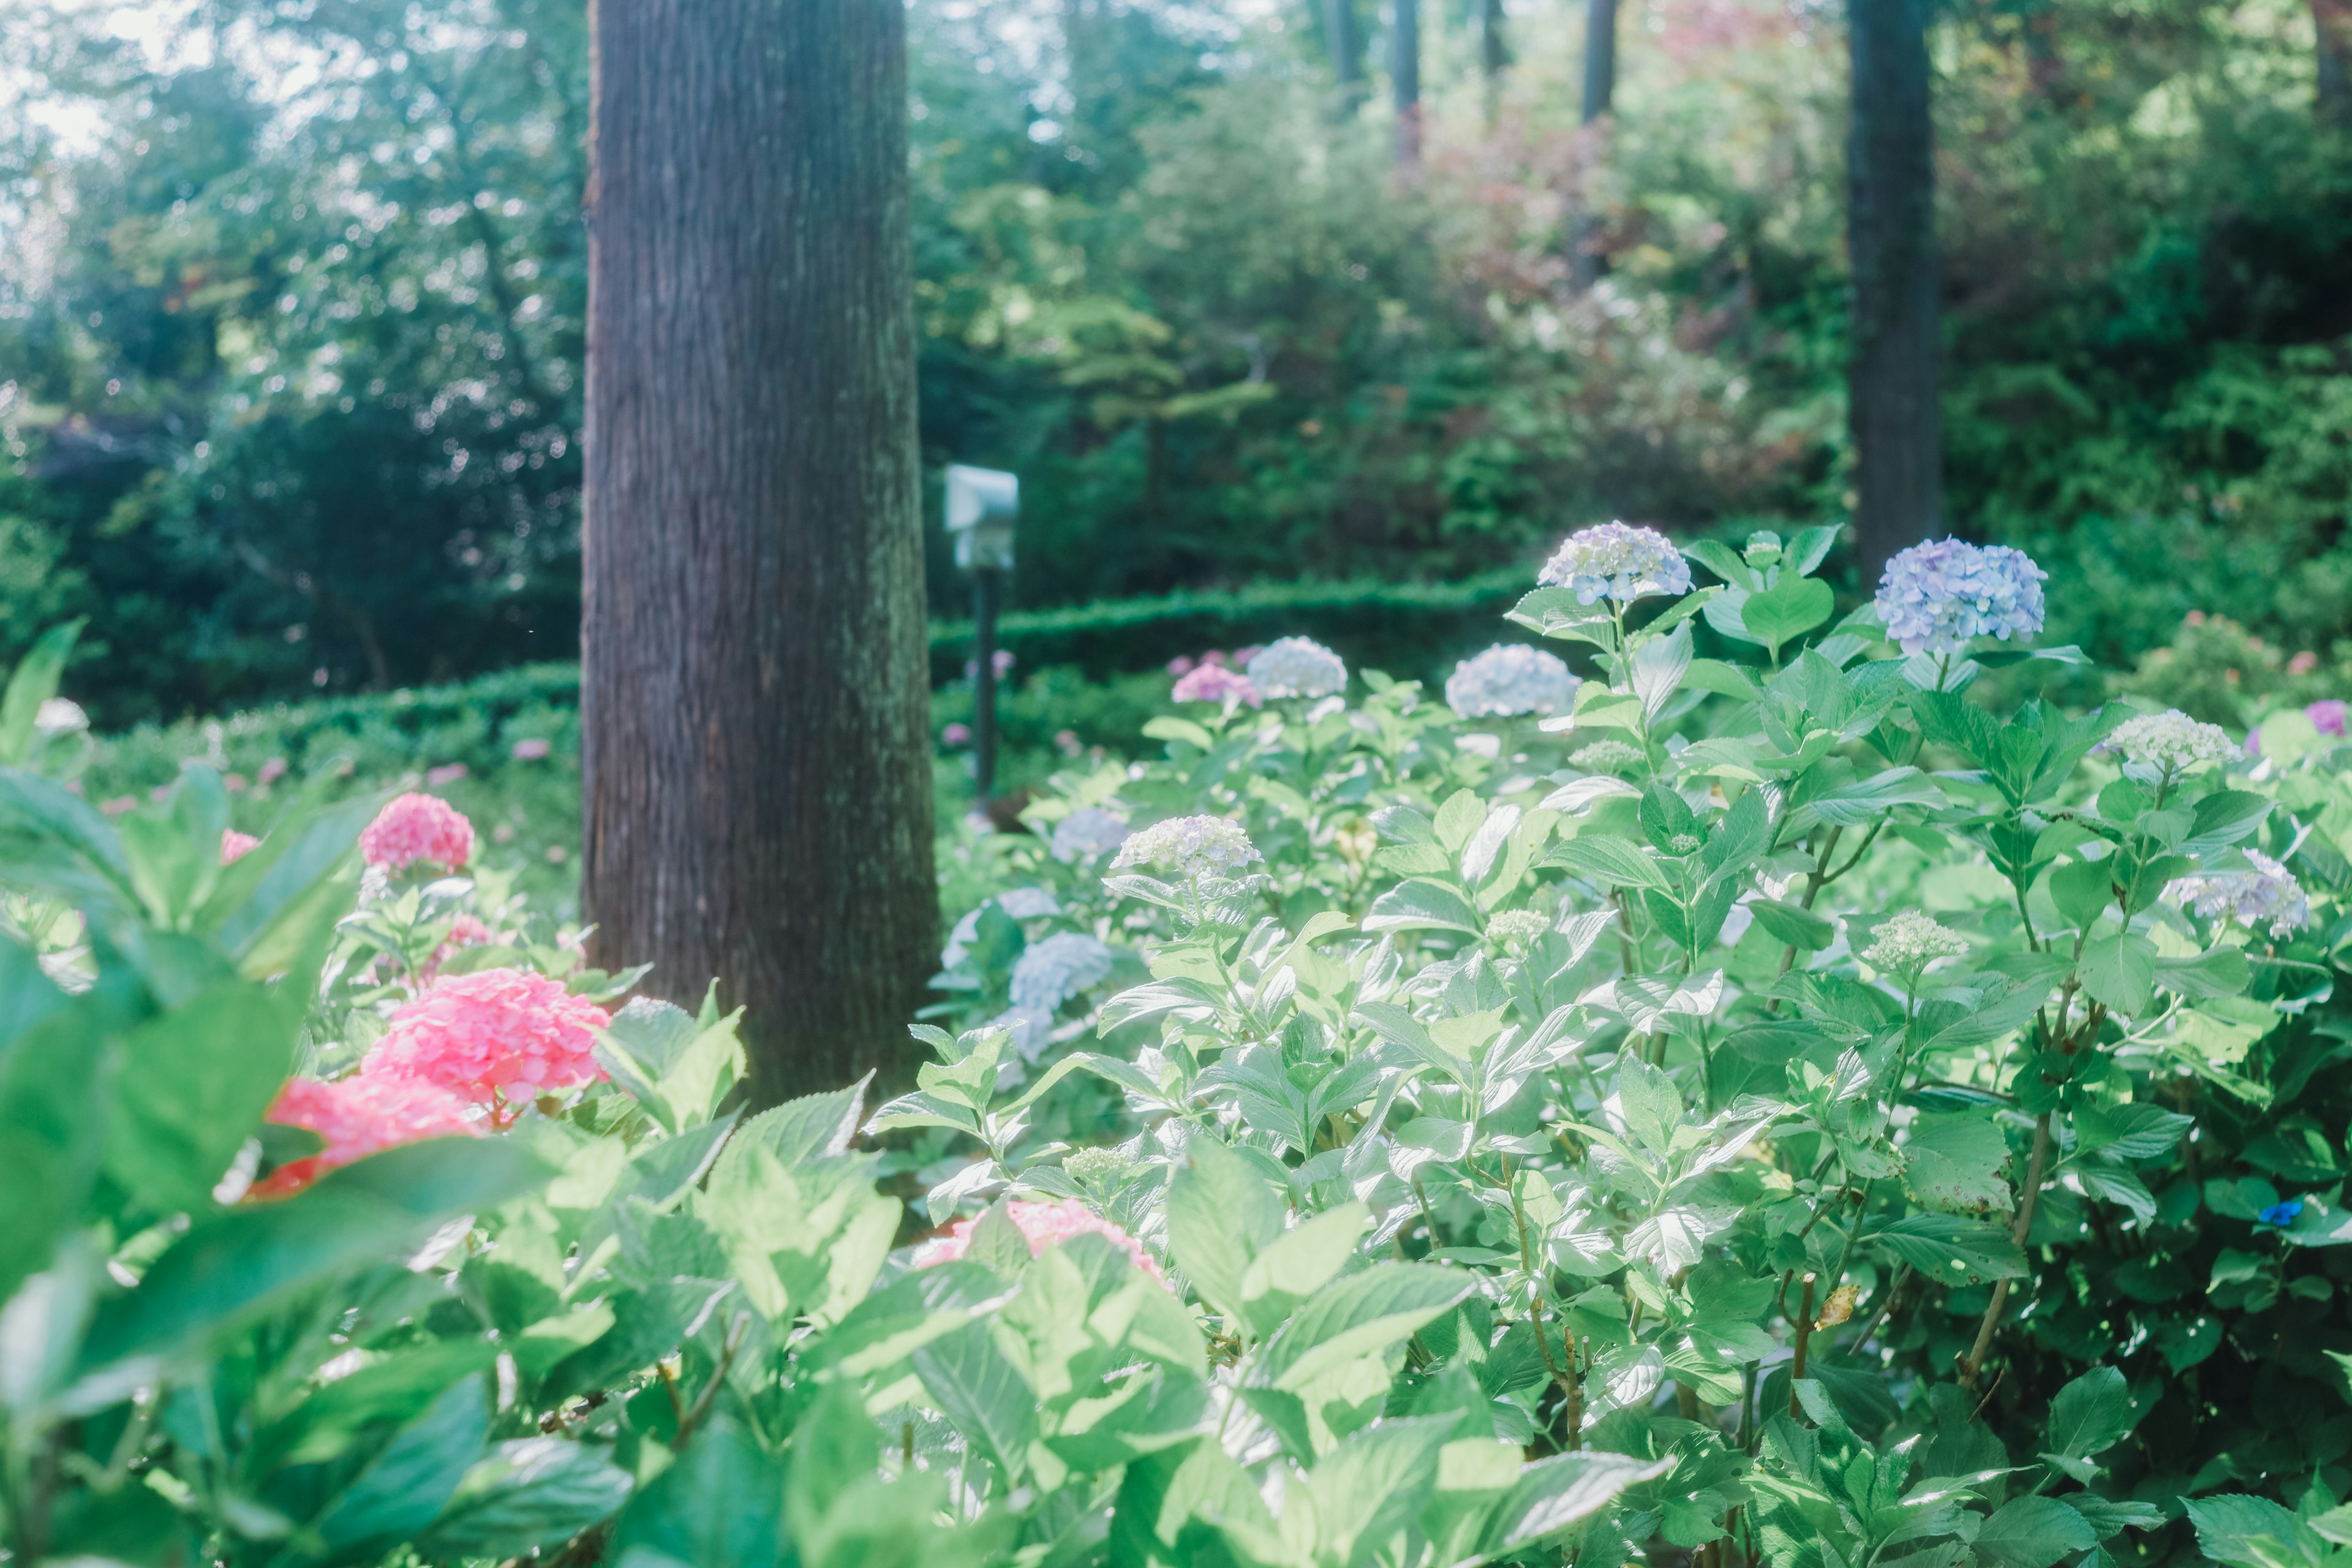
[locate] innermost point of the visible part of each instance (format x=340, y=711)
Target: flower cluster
x=1087, y=831
x=235, y=846
x=1215, y=683
x=494, y=1034
x=1937, y=598
x=1193, y=845
x=418, y=829
x=1297, y=666
x=1909, y=942
x=2169, y=743
x=359, y=1116
x=1517, y=926
x=2327, y=716
x=1044, y=1225
x=1510, y=679
x=1617, y=562
x=2267, y=894
x=57, y=715
x=465, y=930
x=1606, y=757
x=1066, y=964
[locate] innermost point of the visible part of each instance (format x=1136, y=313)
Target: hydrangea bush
x=1772, y=1109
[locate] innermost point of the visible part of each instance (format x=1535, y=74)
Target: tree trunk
x=1346, y=43
x=2332, y=20
x=1891, y=244
x=1586, y=261
x=756, y=787
x=1404, y=78
x=1493, y=54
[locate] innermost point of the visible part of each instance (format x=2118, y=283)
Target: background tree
x=1404, y=78
x=757, y=798
x=1892, y=371
x=1586, y=261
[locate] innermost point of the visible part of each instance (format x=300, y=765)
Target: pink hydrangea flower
x=465, y=930
x=272, y=770
x=529, y=751
x=418, y=828
x=360, y=1116
x=235, y=844
x=1046, y=1224
x=448, y=772
x=1214, y=683
x=497, y=1035
x=956, y=735
x=2327, y=716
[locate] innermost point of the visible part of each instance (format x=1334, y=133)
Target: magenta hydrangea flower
x=497, y=1035
x=1214, y=683
x=1939, y=596
x=235, y=846
x=2327, y=716
x=1046, y=1224
x=416, y=829
x=359, y=1116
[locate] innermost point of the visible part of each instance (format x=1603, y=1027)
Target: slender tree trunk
x=1345, y=40
x=1493, y=54
x=1404, y=78
x=756, y=790
x=1891, y=376
x=2332, y=20
x=1586, y=261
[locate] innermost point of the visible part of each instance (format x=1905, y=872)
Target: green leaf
x=720, y=1505
x=2033, y=1532
x=1788, y=609
x=34, y=682
x=1362, y=1313
x=1610, y=860
x=2091, y=1414
x=2219, y=971
x=2119, y=969
x=2244, y=1532
x=1554, y=1494
x=677, y=1070
x=531, y=1495
x=1653, y=1107
x=1422, y=904
x=1953, y=1165
x=1221, y=1214
x=976, y=1386
x=2082, y=890
x=1792, y=925
x=1374, y=1483
x=1951, y=1250
x=51, y=1073
x=1298, y=1263
x=405, y=1486
x=195, y=1083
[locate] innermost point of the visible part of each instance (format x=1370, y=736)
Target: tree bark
x=1586, y=260
x=1493, y=54
x=1891, y=376
x=2332, y=21
x=1345, y=41
x=1404, y=78
x=756, y=781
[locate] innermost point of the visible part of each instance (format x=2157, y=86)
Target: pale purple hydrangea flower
x=1938, y=597
x=1192, y=846
x=2327, y=716
x=1615, y=560
x=1066, y=964
x=1214, y=683
x=1088, y=831
x=2267, y=894
x=1510, y=679
x=1297, y=666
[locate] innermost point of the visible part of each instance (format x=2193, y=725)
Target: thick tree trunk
x=1891, y=376
x=757, y=789
x=1586, y=262
x=1404, y=78
x=2332, y=20
x=1345, y=41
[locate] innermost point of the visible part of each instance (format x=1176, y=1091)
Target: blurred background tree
x=290, y=300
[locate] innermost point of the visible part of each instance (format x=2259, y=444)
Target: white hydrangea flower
x=1087, y=831
x=1510, y=679
x=1517, y=925
x=1192, y=846
x=1909, y=942
x=1066, y=964
x=2267, y=894
x=1605, y=757
x=2170, y=741
x=58, y=714
x=1297, y=666
x=1617, y=562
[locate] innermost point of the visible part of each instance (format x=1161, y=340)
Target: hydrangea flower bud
x=1510, y=679
x=1517, y=925
x=2169, y=743
x=1909, y=942
x=1297, y=666
x=1044, y=1226
x=1615, y=560
x=1939, y=596
x=417, y=828
x=1191, y=845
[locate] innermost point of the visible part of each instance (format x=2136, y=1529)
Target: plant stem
x=1804, y=1333
x=1974, y=1361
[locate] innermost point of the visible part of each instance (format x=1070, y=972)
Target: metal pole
x=983, y=683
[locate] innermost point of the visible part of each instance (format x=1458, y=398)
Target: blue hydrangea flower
x=2281, y=1213
x=1617, y=562
x=1938, y=597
